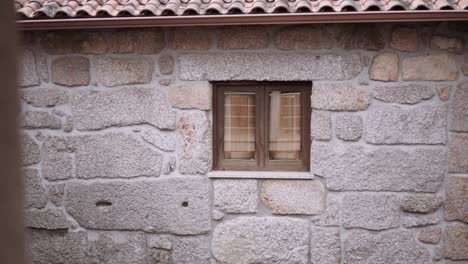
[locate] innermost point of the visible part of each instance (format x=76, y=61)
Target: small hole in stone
x=103, y=204
x=185, y=204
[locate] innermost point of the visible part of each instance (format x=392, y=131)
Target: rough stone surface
x=44, y=97
x=29, y=150
x=456, y=242
x=371, y=211
x=325, y=245
x=115, y=248
x=70, y=71
x=195, y=143
x=122, y=107
x=447, y=43
x=59, y=113
x=299, y=37
x=113, y=155
x=443, y=90
x=191, y=95
x=128, y=211
x=348, y=127
x=56, y=193
x=68, y=124
x=39, y=136
x=235, y=196
x=160, y=256
x=403, y=94
x=113, y=71
x=34, y=192
x=426, y=32
x=384, y=67
x=456, y=199
x=48, y=247
x=165, y=82
x=459, y=109
x=121, y=41
x=193, y=250
x=268, y=66
x=73, y=41
x=137, y=205
x=438, y=252
x=321, y=125
x=39, y=119
x=293, y=197
x=392, y=246
x=331, y=215
x=169, y=165
x=420, y=203
x=366, y=60
x=159, y=241
x=356, y=37
x=191, y=39
x=217, y=215
x=413, y=220
x=58, y=160
x=382, y=169
x=261, y=240
x=51, y=218
x=42, y=68
x=160, y=139
x=430, y=235
x=166, y=65
x=149, y=41
x=464, y=69
x=243, y=38
x=458, y=153
x=339, y=97
x=393, y=125
x=404, y=39
x=439, y=67
x=27, y=74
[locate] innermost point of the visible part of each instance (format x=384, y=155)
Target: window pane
x=239, y=125
x=285, y=126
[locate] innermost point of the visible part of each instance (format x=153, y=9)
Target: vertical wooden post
x=11, y=226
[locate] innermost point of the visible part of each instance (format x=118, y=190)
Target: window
x=261, y=126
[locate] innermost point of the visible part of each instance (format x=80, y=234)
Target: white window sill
x=261, y=174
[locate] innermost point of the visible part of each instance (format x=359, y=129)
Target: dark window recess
x=262, y=126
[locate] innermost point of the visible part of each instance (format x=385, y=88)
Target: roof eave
x=247, y=19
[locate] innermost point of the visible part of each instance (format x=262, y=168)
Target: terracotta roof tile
x=95, y=8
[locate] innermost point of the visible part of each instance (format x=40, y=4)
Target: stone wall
x=116, y=129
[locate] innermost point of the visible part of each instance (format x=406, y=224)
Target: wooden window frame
x=262, y=110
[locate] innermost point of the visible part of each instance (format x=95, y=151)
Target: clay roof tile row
x=30, y=9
